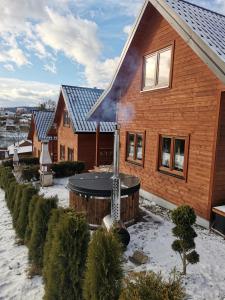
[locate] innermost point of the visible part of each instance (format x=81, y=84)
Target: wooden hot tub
x=90, y=193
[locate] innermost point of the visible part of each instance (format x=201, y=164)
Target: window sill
x=154, y=89
x=171, y=174
x=135, y=163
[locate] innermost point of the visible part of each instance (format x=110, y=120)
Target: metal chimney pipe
x=116, y=185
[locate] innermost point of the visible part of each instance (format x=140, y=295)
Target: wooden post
x=97, y=145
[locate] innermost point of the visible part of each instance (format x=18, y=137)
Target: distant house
x=41, y=129
x=10, y=125
x=77, y=138
x=24, y=148
x=170, y=87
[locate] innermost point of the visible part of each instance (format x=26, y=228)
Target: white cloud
x=14, y=91
x=14, y=55
x=51, y=68
x=127, y=29
x=9, y=67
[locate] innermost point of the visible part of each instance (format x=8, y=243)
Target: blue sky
x=47, y=43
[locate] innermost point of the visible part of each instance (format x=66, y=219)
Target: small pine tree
x=65, y=269
x=22, y=222
x=53, y=221
x=41, y=217
x=184, y=218
x=16, y=203
x=31, y=211
x=11, y=194
x=104, y=274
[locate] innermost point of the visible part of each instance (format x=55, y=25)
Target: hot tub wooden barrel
x=90, y=193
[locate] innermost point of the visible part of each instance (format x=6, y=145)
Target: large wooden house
x=169, y=90
x=90, y=142
x=42, y=128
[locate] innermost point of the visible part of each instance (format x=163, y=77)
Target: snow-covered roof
x=43, y=120
x=20, y=150
x=202, y=29
x=79, y=101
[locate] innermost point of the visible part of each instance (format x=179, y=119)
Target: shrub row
x=30, y=173
x=67, y=168
x=72, y=267
x=23, y=160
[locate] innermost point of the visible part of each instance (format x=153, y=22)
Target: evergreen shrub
x=67, y=168
x=151, y=286
x=184, y=218
x=28, y=192
x=40, y=220
x=30, y=172
x=31, y=211
x=103, y=274
x=68, y=252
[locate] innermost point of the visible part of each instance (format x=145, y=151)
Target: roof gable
x=79, y=101
x=43, y=120
x=203, y=30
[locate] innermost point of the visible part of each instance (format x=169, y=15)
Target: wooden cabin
x=42, y=128
x=169, y=91
x=77, y=138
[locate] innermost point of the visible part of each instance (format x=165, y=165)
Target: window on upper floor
x=157, y=69
x=66, y=119
x=135, y=147
x=173, y=155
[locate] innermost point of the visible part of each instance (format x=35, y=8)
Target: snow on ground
x=205, y=280
x=14, y=284
x=153, y=235
x=58, y=189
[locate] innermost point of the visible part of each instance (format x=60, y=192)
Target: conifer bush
x=103, y=274
x=40, y=220
x=151, y=286
x=11, y=193
x=16, y=203
x=66, y=262
x=184, y=218
x=31, y=211
x=22, y=222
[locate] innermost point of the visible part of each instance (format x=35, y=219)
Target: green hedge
x=65, y=256
x=30, y=173
x=67, y=168
x=103, y=277
x=23, y=160
x=40, y=220
x=149, y=285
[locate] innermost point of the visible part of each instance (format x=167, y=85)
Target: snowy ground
x=14, y=284
x=59, y=190
x=205, y=281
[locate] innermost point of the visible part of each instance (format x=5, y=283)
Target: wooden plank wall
x=190, y=107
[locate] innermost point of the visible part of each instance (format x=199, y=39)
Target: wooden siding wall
x=87, y=146
x=190, y=107
x=219, y=171
x=66, y=136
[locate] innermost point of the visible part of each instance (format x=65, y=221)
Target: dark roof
x=79, y=101
x=207, y=24
x=43, y=120
x=202, y=29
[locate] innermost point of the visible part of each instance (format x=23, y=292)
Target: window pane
x=130, y=152
x=139, y=149
x=164, y=68
x=150, y=70
x=179, y=155
x=166, y=145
